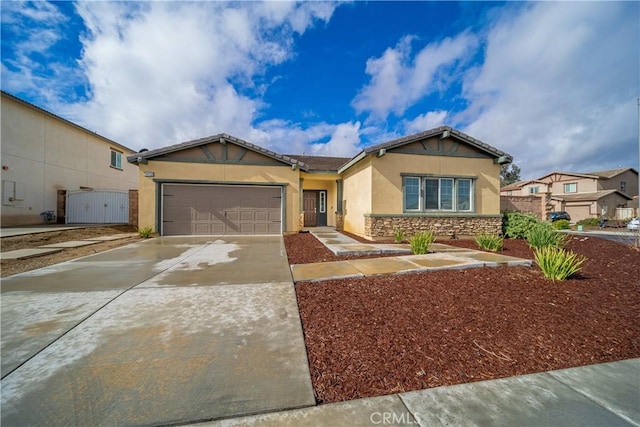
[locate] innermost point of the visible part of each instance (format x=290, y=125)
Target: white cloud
x=399, y=80
x=425, y=121
x=558, y=87
x=162, y=72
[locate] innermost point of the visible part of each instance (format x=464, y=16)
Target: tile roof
x=135, y=158
x=321, y=163
x=609, y=173
x=588, y=197
x=437, y=131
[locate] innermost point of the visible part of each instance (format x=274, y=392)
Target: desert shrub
x=145, y=232
x=561, y=224
x=490, y=242
x=588, y=222
x=557, y=263
x=420, y=242
x=398, y=235
x=515, y=224
x=543, y=235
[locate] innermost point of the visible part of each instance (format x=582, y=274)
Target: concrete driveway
x=169, y=330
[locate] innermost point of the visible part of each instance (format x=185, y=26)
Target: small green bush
x=561, y=224
x=490, y=242
x=398, y=235
x=420, y=242
x=588, y=222
x=543, y=235
x=515, y=225
x=145, y=232
x=557, y=263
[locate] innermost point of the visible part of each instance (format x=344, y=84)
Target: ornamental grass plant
x=490, y=242
x=557, y=263
x=542, y=235
x=420, y=242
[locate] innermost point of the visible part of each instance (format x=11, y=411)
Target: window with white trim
x=571, y=187
x=425, y=194
x=534, y=190
x=116, y=159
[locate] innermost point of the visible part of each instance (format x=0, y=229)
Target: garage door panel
x=215, y=209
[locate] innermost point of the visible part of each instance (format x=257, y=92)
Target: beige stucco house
x=440, y=179
x=44, y=155
x=582, y=195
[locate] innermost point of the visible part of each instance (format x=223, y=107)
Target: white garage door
x=191, y=209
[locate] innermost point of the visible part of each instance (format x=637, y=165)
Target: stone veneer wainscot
x=379, y=226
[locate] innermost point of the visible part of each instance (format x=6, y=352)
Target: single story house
x=440, y=179
x=582, y=195
x=52, y=164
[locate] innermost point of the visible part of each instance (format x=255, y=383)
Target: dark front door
x=310, y=210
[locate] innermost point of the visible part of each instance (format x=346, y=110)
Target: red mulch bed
x=304, y=248
x=388, y=334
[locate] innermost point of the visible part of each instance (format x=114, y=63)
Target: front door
x=310, y=210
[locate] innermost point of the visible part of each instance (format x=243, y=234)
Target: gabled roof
x=588, y=197
x=427, y=134
x=221, y=138
x=518, y=185
x=65, y=121
x=321, y=163
x=606, y=174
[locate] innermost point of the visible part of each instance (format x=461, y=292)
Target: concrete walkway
x=165, y=331
x=36, y=229
x=606, y=394
x=341, y=244
x=441, y=257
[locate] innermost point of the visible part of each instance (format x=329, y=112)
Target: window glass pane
x=571, y=188
x=119, y=160
x=323, y=202
x=464, y=195
x=412, y=193
x=446, y=194
x=431, y=193
x=113, y=158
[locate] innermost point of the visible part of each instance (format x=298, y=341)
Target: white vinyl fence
x=97, y=207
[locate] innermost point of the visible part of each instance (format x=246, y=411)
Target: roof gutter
x=353, y=161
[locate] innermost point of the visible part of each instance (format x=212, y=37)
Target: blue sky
x=555, y=84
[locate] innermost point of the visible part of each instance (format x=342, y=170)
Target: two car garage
x=205, y=209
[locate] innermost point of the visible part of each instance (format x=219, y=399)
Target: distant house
x=46, y=160
x=439, y=179
x=582, y=195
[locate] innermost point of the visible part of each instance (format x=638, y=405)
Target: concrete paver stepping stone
x=442, y=262
x=495, y=260
x=28, y=253
x=375, y=266
x=111, y=237
x=70, y=244
x=323, y=271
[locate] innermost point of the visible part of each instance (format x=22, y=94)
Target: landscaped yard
x=375, y=336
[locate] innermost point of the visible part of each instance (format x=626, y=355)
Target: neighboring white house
x=43, y=153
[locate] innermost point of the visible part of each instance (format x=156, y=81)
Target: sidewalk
x=440, y=257
x=595, y=395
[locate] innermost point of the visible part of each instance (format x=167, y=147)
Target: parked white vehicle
x=634, y=224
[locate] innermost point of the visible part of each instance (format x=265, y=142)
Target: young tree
x=509, y=174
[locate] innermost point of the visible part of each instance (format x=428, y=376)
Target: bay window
x=424, y=194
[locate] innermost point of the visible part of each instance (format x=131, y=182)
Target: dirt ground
x=28, y=241
x=387, y=334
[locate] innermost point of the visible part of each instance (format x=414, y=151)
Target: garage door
x=189, y=209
